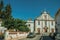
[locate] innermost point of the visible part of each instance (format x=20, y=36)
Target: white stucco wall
x=42, y=25
x=31, y=23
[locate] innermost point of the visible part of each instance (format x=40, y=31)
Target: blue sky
x=25, y=9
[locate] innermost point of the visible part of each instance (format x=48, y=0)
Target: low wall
x=15, y=35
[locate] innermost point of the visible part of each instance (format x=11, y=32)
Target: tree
x=5, y=15
x=21, y=25
x=24, y=28
x=1, y=9
x=8, y=21
x=5, y=11
x=1, y=5
x=8, y=11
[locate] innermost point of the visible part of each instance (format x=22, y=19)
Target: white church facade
x=43, y=23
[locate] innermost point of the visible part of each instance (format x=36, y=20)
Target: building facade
x=30, y=25
x=43, y=23
x=57, y=21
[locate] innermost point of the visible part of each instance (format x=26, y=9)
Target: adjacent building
x=43, y=23
x=30, y=25
x=57, y=21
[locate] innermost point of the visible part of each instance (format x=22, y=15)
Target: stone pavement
x=35, y=38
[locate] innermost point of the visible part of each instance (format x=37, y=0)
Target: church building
x=42, y=24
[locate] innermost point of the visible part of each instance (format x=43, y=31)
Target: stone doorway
x=45, y=29
x=38, y=29
x=52, y=29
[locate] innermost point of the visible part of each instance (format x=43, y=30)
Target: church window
x=38, y=22
x=45, y=23
x=56, y=22
x=45, y=16
x=29, y=25
x=52, y=22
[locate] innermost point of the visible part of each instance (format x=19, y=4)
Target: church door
x=52, y=30
x=38, y=29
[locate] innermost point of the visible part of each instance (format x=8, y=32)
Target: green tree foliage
x=21, y=25
x=8, y=21
x=1, y=5
x=1, y=9
x=5, y=11
x=8, y=11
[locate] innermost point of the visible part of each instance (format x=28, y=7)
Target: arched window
x=45, y=16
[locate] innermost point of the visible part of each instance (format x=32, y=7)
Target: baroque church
x=42, y=24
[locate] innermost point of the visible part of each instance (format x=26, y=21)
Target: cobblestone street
x=35, y=38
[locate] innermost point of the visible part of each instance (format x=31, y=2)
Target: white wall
x=31, y=27
x=42, y=25
x=15, y=35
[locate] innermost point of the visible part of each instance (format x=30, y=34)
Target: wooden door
x=38, y=29
x=52, y=30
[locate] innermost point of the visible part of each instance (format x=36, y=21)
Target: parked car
x=31, y=35
x=57, y=37
x=52, y=35
x=45, y=37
